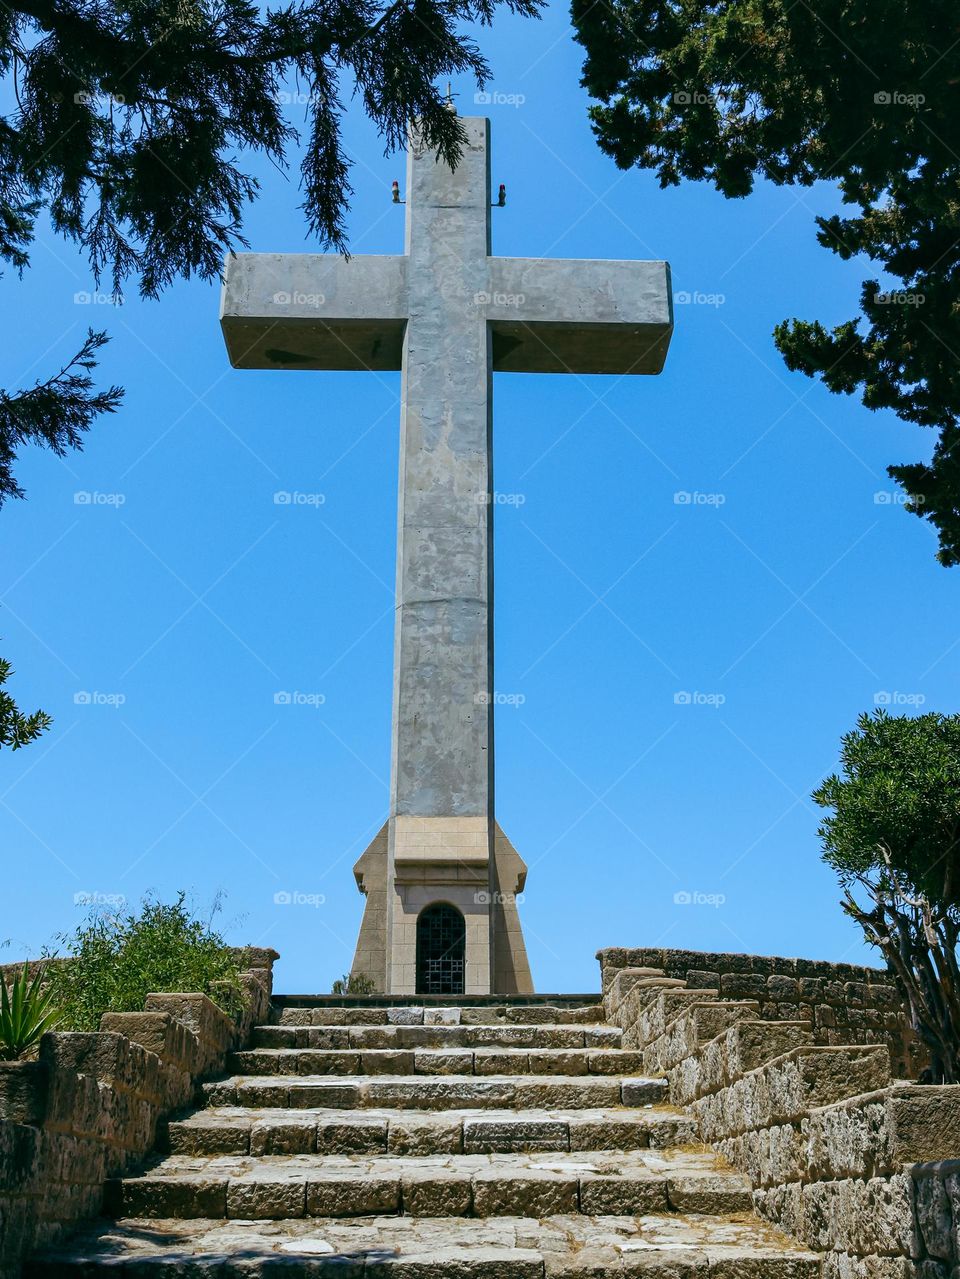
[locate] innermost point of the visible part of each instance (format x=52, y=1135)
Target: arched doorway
x=441, y=948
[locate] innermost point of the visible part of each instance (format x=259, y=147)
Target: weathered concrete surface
x=447, y=314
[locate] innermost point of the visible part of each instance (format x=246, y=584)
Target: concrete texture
x=448, y=314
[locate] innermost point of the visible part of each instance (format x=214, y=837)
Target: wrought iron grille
x=441, y=946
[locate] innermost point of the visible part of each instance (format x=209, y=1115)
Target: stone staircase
x=498, y=1139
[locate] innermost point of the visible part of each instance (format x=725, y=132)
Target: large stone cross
x=441, y=878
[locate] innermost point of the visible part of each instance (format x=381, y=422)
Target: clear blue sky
x=796, y=596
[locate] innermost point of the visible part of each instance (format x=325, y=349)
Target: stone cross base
x=440, y=860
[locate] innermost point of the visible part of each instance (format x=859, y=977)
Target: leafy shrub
x=116, y=961
x=893, y=837
x=354, y=984
x=26, y=1011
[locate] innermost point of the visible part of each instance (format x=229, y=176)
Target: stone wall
x=842, y=1003
x=858, y=1167
x=89, y=1107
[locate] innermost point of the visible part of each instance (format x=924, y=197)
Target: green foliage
x=17, y=729
x=26, y=1011
x=898, y=800
x=354, y=984
x=894, y=839
x=116, y=961
x=861, y=94
x=55, y=413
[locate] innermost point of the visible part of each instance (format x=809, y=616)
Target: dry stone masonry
x=659, y=1130
x=484, y=1141
x=798, y=1088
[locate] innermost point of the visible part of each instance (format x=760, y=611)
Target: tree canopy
x=863, y=93
x=894, y=839
x=131, y=122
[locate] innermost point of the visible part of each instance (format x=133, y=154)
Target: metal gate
x=441, y=947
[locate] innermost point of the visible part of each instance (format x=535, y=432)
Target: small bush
x=116, y=961
x=27, y=1010
x=354, y=984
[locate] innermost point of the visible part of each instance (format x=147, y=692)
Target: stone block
x=352, y=1196
x=524, y=1194
x=489, y=1136
x=425, y=1135
x=265, y=1200
x=23, y=1091
x=436, y=1194
x=362, y=1134
x=283, y=1136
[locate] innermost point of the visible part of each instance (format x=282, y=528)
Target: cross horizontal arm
x=314, y=311
x=557, y=315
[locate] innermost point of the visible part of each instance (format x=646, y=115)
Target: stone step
x=442, y=1092
x=435, y=1036
x=654, y=1247
x=569, y=1062
x=242, y=1131
x=289, y=1014
x=533, y=1185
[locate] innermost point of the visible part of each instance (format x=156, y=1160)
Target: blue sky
x=784, y=598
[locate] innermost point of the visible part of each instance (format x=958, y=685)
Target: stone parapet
x=788, y=1068
x=90, y=1107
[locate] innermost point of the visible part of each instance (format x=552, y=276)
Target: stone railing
x=842, y=1003
x=857, y=1166
x=89, y=1107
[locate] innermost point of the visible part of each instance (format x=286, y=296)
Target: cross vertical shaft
x=441, y=805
